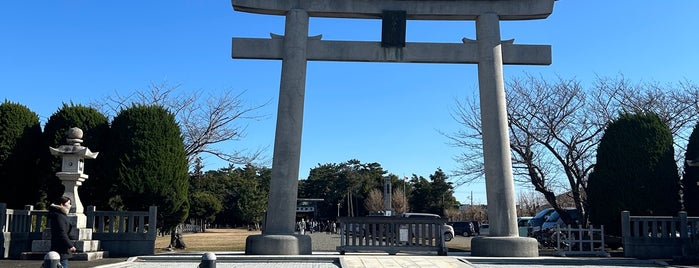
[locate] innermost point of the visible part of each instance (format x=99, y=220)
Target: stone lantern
x=71, y=175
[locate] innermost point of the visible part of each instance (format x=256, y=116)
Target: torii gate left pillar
x=278, y=236
x=295, y=48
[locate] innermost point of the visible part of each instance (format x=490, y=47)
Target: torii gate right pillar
x=504, y=239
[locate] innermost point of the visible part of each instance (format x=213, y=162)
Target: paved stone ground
x=324, y=242
x=72, y=264
x=324, y=248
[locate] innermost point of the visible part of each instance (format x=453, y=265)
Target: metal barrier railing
x=580, y=241
x=391, y=234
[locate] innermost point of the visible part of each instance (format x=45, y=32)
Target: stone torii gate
x=295, y=48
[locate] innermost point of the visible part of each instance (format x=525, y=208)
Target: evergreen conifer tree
x=20, y=149
x=690, y=178
x=150, y=163
x=635, y=171
x=96, y=190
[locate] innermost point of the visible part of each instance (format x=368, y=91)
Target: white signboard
x=403, y=233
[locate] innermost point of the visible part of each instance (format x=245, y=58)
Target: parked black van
x=464, y=228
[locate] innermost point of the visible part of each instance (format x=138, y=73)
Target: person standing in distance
x=61, y=228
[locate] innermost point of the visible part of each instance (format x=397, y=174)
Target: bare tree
x=555, y=129
x=529, y=203
x=552, y=136
x=374, y=202
x=399, y=203
x=205, y=121
x=476, y=213
x=677, y=104
x=454, y=214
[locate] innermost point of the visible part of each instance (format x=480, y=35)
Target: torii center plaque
x=295, y=48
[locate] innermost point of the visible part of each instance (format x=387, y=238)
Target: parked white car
x=448, y=229
x=523, y=225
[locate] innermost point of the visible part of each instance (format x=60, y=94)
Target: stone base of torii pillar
x=504, y=246
x=286, y=244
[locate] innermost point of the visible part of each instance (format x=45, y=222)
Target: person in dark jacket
x=61, y=228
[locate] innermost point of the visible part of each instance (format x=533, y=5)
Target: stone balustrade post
x=52, y=260
x=208, y=260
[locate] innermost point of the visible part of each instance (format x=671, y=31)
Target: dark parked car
x=555, y=219
x=464, y=228
x=539, y=219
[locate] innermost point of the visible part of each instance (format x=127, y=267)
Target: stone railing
x=19, y=228
x=24, y=220
x=191, y=228
x=391, y=234
x=122, y=233
x=659, y=236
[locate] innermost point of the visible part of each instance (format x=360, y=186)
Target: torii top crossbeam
x=415, y=9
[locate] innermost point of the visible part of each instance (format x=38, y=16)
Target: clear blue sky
x=53, y=52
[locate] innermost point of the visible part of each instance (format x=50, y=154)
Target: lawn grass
x=211, y=240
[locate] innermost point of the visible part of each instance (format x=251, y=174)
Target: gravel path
x=324, y=242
